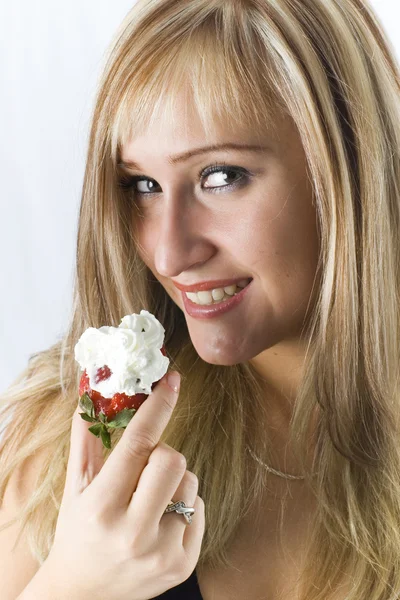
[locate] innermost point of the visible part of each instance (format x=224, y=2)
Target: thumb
x=86, y=456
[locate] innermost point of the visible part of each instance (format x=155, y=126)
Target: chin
x=222, y=362
x=220, y=356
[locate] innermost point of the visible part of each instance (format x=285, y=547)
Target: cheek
x=283, y=245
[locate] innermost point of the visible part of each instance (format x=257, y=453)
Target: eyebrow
x=178, y=158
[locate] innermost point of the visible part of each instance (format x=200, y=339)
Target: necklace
x=274, y=471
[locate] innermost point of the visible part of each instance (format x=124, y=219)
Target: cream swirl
x=132, y=351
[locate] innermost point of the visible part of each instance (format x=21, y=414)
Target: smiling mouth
x=218, y=295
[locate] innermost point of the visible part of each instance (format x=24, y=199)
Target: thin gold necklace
x=274, y=471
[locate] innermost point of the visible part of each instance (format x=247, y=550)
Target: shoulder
x=22, y=482
x=17, y=564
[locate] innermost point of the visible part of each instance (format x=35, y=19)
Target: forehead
x=184, y=137
x=175, y=132
x=182, y=121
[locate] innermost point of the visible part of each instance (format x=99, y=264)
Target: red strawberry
x=109, y=406
x=102, y=374
x=107, y=413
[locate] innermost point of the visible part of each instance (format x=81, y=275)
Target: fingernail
x=173, y=380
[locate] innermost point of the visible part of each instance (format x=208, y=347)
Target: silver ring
x=181, y=508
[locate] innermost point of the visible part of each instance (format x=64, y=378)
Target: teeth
x=243, y=283
x=230, y=289
x=204, y=297
x=217, y=295
x=192, y=296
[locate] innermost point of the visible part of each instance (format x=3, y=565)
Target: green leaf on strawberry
x=87, y=405
x=122, y=418
x=105, y=437
x=102, y=417
x=86, y=417
x=96, y=429
x=100, y=430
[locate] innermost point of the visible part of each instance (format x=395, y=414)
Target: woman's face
x=252, y=218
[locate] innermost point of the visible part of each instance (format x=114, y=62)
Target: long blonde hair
x=329, y=66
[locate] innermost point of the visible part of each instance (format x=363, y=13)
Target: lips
x=199, y=311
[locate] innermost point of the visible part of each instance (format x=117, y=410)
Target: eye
x=218, y=176
x=128, y=183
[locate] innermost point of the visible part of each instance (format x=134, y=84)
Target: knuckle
x=95, y=519
x=93, y=510
x=129, y=550
x=169, y=458
x=167, y=402
x=133, y=543
x=184, y=568
x=191, y=480
x=179, y=462
x=179, y=574
x=139, y=445
x=161, y=564
x=169, y=567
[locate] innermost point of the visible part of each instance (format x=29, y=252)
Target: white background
x=50, y=58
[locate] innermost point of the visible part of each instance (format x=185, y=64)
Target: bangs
x=225, y=80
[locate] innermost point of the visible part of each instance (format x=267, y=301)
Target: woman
x=284, y=437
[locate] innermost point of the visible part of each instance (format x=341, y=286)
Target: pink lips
x=199, y=311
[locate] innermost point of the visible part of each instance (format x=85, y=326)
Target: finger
x=122, y=470
x=193, y=533
x=86, y=457
x=174, y=524
x=157, y=485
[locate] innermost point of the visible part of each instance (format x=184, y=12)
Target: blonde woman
x=242, y=184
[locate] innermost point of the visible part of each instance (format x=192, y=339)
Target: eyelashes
x=128, y=183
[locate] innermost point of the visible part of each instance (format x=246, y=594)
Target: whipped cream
x=132, y=351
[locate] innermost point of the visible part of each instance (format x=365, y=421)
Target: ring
x=181, y=508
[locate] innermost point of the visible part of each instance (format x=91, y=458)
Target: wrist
x=42, y=586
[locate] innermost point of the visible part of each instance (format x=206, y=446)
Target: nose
x=182, y=236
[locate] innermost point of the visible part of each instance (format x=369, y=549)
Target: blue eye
x=129, y=183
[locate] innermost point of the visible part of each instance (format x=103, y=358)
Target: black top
x=188, y=590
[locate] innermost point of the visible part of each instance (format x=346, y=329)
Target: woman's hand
x=112, y=540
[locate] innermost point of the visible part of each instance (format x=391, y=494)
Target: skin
x=266, y=229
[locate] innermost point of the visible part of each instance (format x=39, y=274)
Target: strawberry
x=107, y=413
